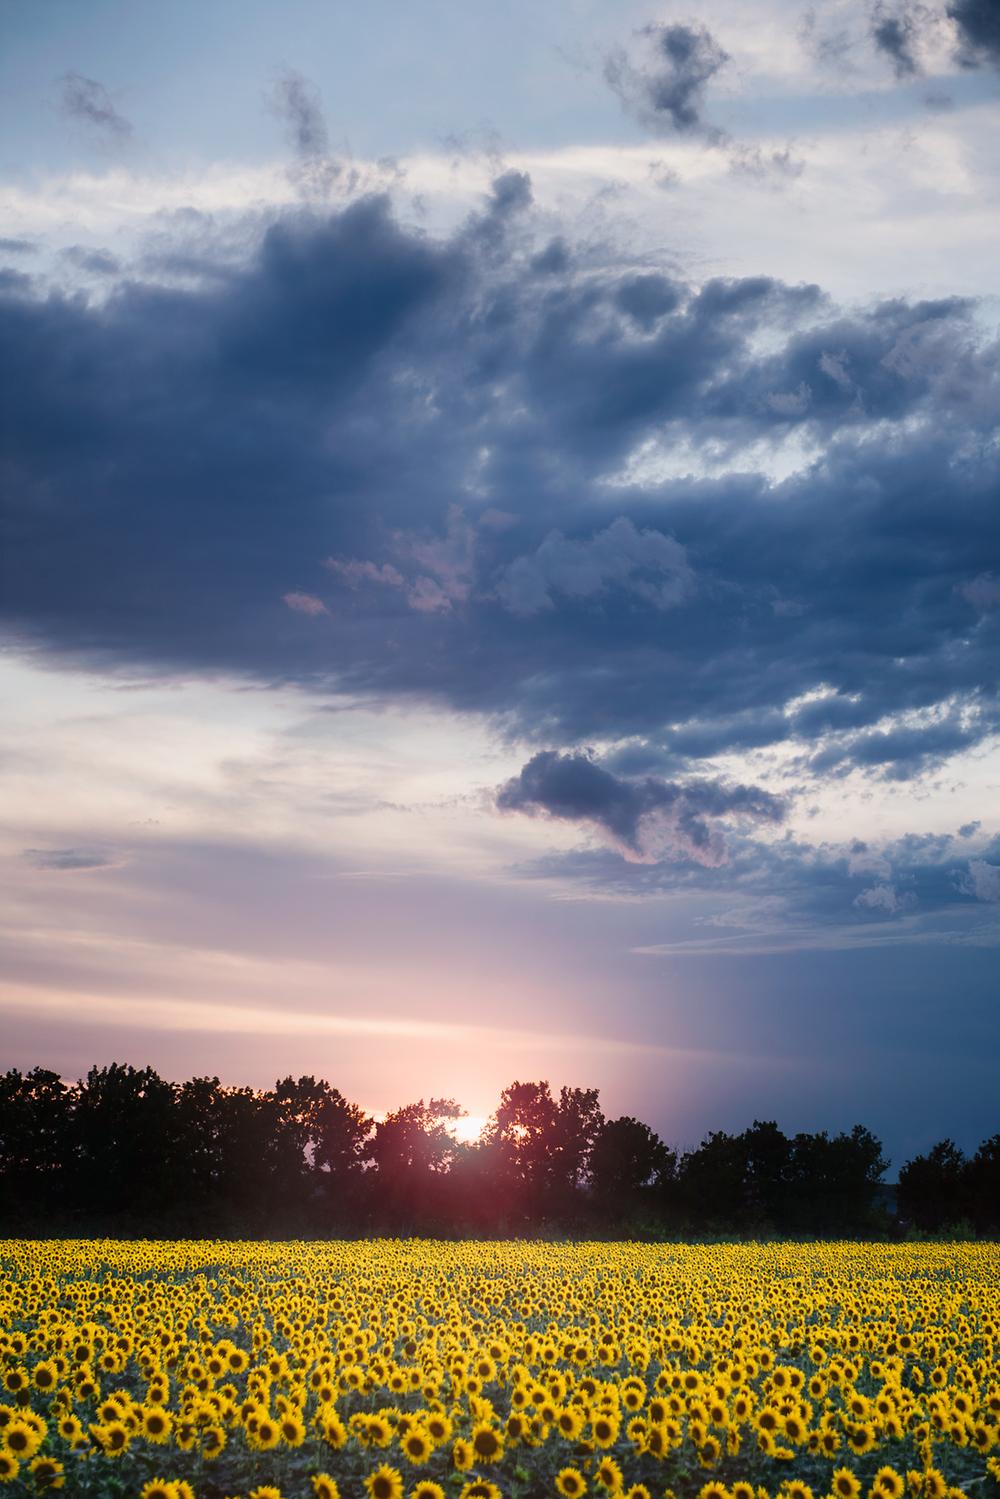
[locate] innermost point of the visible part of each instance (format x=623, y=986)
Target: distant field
x=475, y=1370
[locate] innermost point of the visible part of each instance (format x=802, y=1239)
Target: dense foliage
x=499, y=1370
x=126, y=1151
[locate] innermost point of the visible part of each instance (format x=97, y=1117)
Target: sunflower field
x=422, y=1370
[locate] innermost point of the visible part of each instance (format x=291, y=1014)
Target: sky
x=500, y=570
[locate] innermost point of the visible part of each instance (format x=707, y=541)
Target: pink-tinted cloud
x=305, y=603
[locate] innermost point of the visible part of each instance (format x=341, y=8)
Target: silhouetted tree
x=982, y=1192
x=122, y=1118
x=341, y=1132
x=411, y=1150
x=833, y=1183
x=126, y=1149
x=521, y=1132
x=631, y=1170
x=35, y=1136
x=766, y=1174
x=712, y=1183
x=932, y=1187
x=575, y=1130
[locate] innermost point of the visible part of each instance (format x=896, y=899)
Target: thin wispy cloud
x=88, y=101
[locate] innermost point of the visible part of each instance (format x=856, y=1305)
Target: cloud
x=895, y=33
x=983, y=880
x=978, y=25
x=640, y=816
x=902, y=751
x=787, y=894
x=880, y=897
x=440, y=568
x=295, y=100
x=776, y=165
x=87, y=100
x=665, y=91
x=68, y=858
x=305, y=603
x=983, y=592
x=481, y=457
x=648, y=564
x=96, y=262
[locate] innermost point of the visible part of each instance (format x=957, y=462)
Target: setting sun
x=469, y=1128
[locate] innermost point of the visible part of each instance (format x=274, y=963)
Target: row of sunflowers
x=423, y=1370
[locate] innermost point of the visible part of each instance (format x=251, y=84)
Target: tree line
x=126, y=1151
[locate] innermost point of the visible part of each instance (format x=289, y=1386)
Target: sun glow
x=469, y=1128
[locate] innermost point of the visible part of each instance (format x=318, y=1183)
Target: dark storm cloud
x=371, y=459
x=978, y=24
x=87, y=100
x=894, y=32
x=665, y=89
x=635, y=813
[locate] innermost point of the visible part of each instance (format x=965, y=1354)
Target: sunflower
x=604, y=1430
x=332, y=1428
x=427, y=1490
x=480, y=1488
x=265, y=1491
x=609, y=1475
x=379, y=1430
x=71, y=1430
x=155, y=1424
x=417, y=1445
x=385, y=1483
x=888, y=1484
x=158, y=1488
x=462, y=1455
x=709, y=1451
x=515, y=1426
x=570, y=1422
x=292, y=1429
x=46, y=1473
x=45, y=1375
x=9, y=1466
x=844, y=1485
x=571, y=1483
x=861, y=1438
x=114, y=1437
x=213, y=1439
x=265, y=1434
x=796, y=1489
x=21, y=1439
x=714, y=1490
x=487, y=1444
x=325, y=1487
